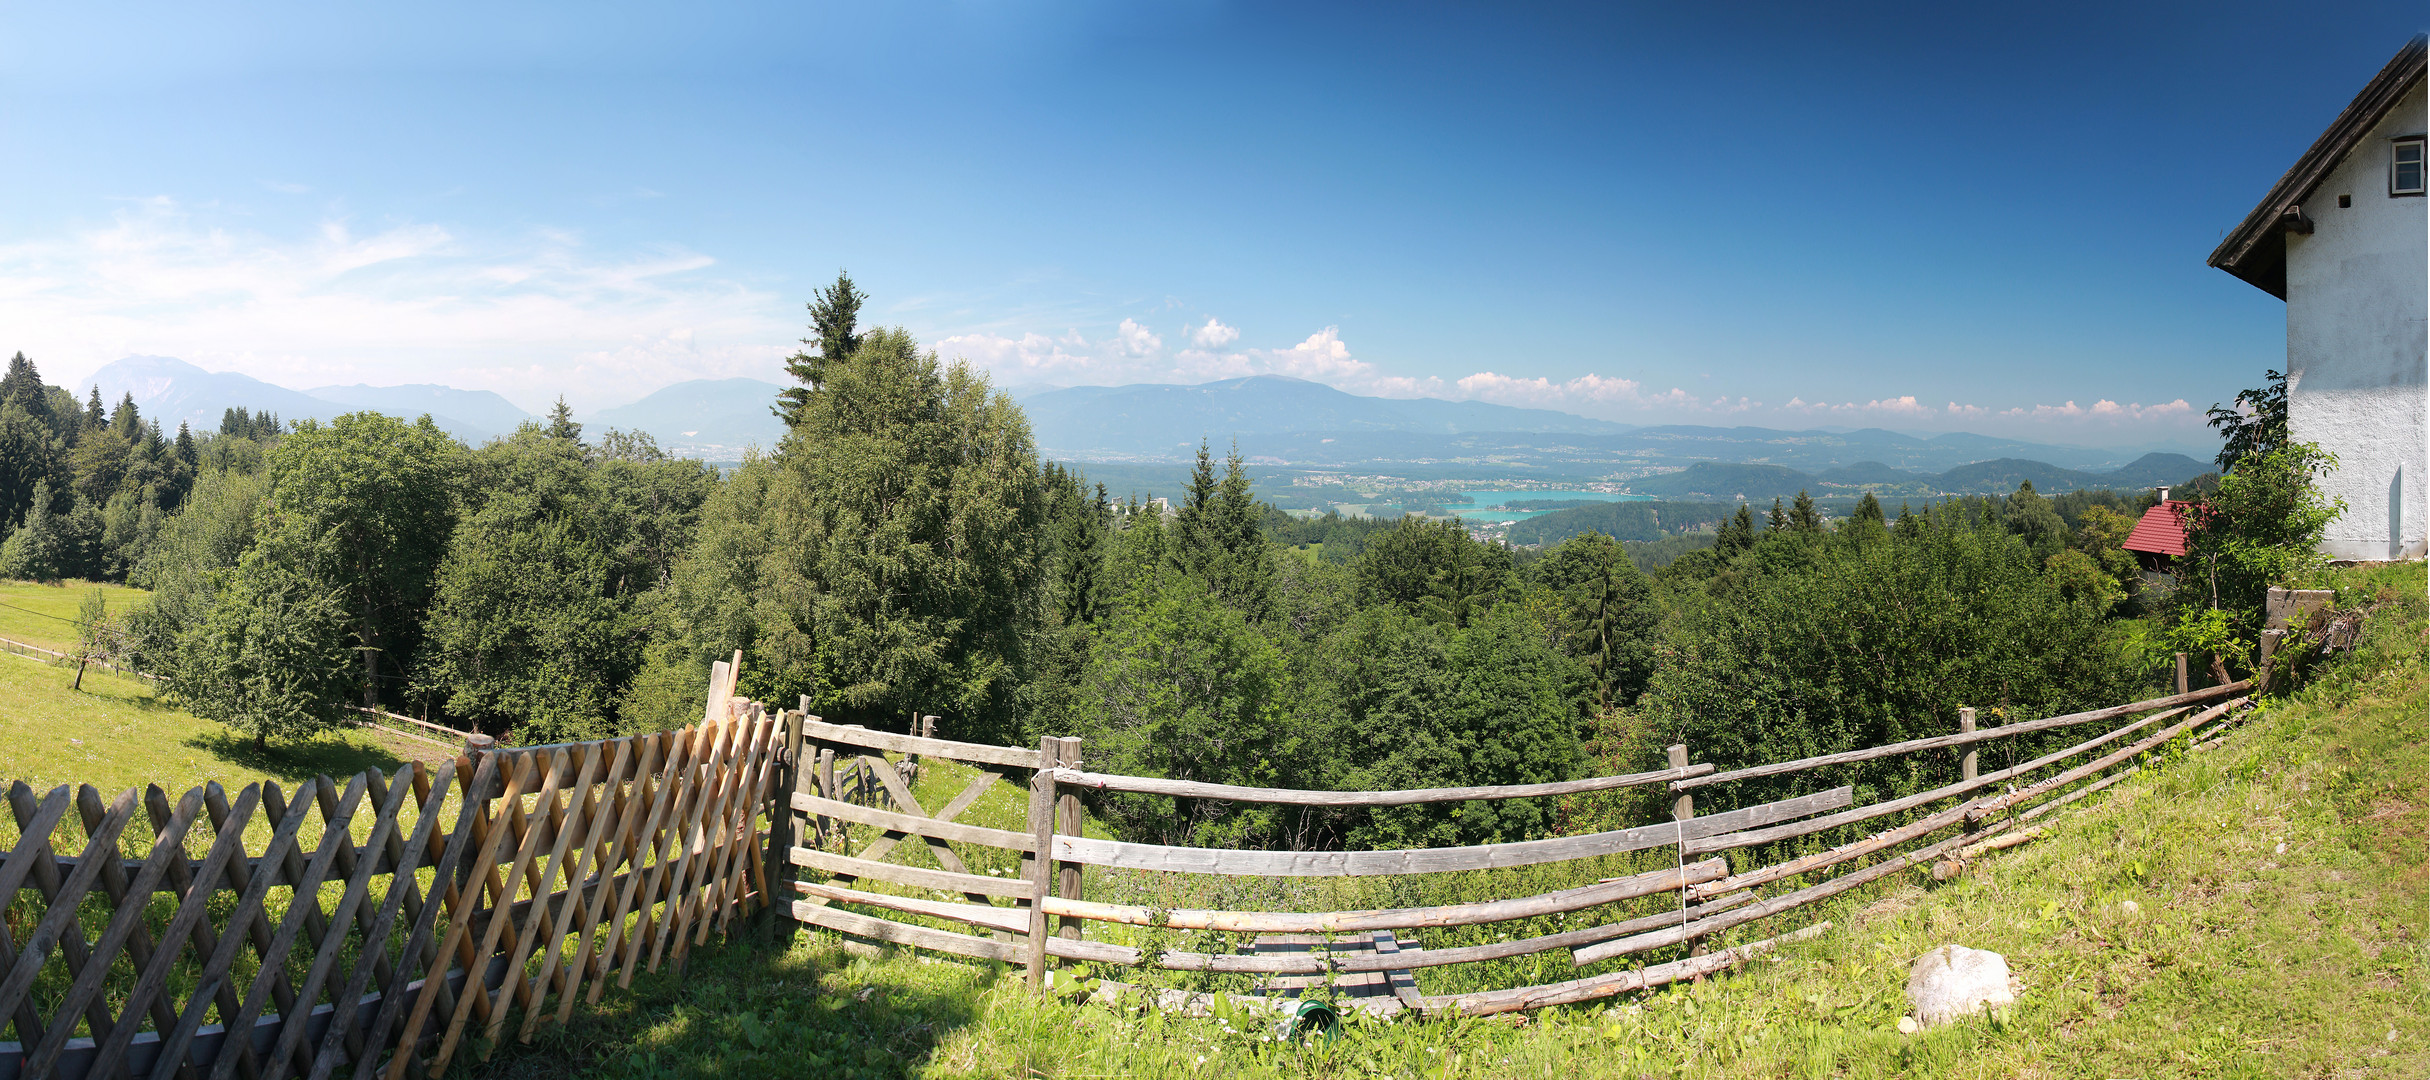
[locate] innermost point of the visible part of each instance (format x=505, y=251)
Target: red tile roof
x=2162, y=530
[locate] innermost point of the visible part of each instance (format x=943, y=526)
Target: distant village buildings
x=2343, y=239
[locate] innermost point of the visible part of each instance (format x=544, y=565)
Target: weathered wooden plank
x=1774, y=906
x=1750, y=838
x=936, y=828
x=1364, y=962
x=895, y=933
x=901, y=793
x=1041, y=871
x=1936, y=742
x=1015, y=920
x=1602, y=986
x=225, y=847
x=1427, y=860
x=1664, y=880
x=977, y=753
x=1404, y=984
x=847, y=868
x=1068, y=820
x=2088, y=789
x=2040, y=788
x=1192, y=789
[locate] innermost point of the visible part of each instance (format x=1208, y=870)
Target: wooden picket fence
x=557, y=868
x=1303, y=949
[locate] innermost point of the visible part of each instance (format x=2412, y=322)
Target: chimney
x=2164, y=493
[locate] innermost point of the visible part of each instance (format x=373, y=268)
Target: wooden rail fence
x=371, y=925
x=1712, y=897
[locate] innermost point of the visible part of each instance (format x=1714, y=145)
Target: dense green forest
x=904, y=549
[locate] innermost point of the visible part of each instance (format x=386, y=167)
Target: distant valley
x=1310, y=446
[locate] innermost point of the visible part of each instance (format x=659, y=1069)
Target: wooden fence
x=183, y=951
x=1712, y=896
x=557, y=868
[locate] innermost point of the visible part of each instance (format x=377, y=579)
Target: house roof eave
x=2255, y=250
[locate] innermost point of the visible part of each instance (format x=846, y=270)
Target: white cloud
x=530, y=316
x=1213, y=335
x=1133, y=339
x=1586, y=392
x=1132, y=353
x=2105, y=409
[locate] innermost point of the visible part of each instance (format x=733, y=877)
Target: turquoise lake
x=1476, y=511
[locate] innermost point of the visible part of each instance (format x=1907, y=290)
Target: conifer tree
x=1803, y=517
x=94, y=417
x=834, y=317
x=1778, y=519
x=125, y=421
x=1869, y=509
x=1737, y=534
x=561, y=423
x=32, y=550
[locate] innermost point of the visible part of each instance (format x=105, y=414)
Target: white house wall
x=2358, y=346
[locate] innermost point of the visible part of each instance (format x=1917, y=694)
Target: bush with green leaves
x=273, y=659
x=2260, y=527
x=1822, y=644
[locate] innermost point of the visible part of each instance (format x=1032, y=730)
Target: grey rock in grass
x=1954, y=981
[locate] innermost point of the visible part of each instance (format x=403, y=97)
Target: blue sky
x=1909, y=216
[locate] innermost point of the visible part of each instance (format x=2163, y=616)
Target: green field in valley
x=45, y=615
x=118, y=733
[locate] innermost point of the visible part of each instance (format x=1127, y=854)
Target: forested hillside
x=904, y=549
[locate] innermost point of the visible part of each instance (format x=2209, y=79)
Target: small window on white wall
x=2405, y=167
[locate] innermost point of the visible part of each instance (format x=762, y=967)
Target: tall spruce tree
x=887, y=560
x=834, y=319
x=1804, y=516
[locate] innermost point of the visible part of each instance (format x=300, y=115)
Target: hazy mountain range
x=1284, y=421
x=1278, y=423
x=712, y=418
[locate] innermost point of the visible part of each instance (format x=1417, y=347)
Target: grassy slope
x=40, y=614
x=2245, y=959
x=116, y=734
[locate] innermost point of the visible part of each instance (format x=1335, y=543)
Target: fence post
x=1966, y=762
x=2181, y=687
x=796, y=778
x=1067, y=823
x=830, y=829
x=1682, y=809
x=1041, y=863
